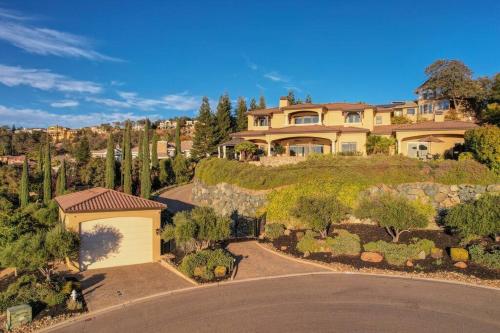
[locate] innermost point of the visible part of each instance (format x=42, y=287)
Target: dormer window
x=353, y=117
x=261, y=121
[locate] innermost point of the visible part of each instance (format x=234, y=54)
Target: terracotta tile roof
x=101, y=200
x=303, y=106
x=302, y=129
x=264, y=112
x=330, y=106
x=427, y=125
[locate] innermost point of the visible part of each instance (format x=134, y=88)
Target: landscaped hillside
x=362, y=171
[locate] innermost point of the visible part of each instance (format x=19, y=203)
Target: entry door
x=116, y=242
x=417, y=149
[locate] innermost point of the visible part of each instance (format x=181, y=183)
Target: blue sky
x=79, y=63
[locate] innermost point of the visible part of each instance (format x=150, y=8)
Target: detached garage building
x=115, y=228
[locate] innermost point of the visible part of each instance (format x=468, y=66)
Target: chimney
x=284, y=102
x=439, y=117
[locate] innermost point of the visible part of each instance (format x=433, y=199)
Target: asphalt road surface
x=310, y=303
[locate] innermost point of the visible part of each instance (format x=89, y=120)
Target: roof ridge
x=92, y=197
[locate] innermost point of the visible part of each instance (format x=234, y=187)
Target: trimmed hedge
x=202, y=264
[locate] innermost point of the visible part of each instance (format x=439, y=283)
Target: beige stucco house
x=343, y=128
x=115, y=228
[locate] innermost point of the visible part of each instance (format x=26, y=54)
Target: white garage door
x=115, y=242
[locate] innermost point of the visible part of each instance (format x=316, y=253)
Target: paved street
x=319, y=303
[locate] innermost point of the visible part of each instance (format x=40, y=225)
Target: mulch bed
x=369, y=233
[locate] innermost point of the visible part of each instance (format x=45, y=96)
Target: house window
x=378, y=120
x=410, y=111
x=261, y=121
x=444, y=105
x=398, y=113
x=353, y=117
x=349, y=147
x=306, y=120
x=426, y=108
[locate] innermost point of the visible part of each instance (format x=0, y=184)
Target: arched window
x=353, y=117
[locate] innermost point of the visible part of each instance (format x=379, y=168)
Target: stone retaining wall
x=226, y=198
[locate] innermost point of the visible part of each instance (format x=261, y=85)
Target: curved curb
x=399, y=276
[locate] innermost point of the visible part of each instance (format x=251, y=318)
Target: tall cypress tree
x=47, y=174
x=110, y=163
x=253, y=104
x=140, y=153
x=155, y=163
x=146, y=168
x=39, y=162
x=178, y=149
x=262, y=102
x=223, y=119
x=23, y=189
x=61, y=179
x=127, y=160
x=241, y=115
x=203, y=138
x=291, y=97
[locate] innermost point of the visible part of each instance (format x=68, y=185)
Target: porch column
x=332, y=147
x=224, y=153
x=399, y=147
x=320, y=118
x=218, y=151
x=269, y=148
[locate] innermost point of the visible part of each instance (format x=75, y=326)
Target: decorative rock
x=421, y=255
x=440, y=197
x=409, y=263
x=461, y=265
x=283, y=248
x=371, y=257
x=307, y=254
x=220, y=271
x=299, y=235
x=287, y=232
x=436, y=253
x=459, y=254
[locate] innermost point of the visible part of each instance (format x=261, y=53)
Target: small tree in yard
x=202, y=226
x=484, y=143
x=40, y=251
x=246, y=149
x=396, y=214
x=319, y=213
x=376, y=144
x=480, y=218
x=181, y=169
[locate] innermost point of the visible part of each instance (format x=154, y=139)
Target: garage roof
x=102, y=199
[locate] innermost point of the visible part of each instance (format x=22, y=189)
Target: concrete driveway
x=178, y=198
x=309, y=303
x=111, y=286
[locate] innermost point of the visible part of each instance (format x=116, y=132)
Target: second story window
x=261, y=121
x=378, y=120
x=305, y=120
x=353, y=117
x=426, y=108
x=443, y=105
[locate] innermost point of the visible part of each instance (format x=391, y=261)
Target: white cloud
x=260, y=87
x=45, y=80
x=40, y=118
x=276, y=77
x=43, y=41
x=294, y=88
x=117, y=83
x=180, y=102
x=250, y=64
x=65, y=104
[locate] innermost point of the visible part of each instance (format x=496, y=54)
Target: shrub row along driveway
x=310, y=303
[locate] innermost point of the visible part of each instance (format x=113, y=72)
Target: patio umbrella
x=430, y=139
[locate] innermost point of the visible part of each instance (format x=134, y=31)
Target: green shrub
x=465, y=156
x=488, y=259
x=484, y=143
x=320, y=212
x=208, y=260
x=274, y=230
x=396, y=214
x=398, y=254
x=480, y=218
x=377, y=144
x=345, y=243
x=308, y=243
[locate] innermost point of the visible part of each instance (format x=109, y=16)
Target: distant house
x=12, y=160
x=103, y=152
x=167, y=149
x=58, y=133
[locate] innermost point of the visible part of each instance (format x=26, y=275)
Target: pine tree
x=241, y=115
x=24, y=188
x=262, y=102
x=146, y=168
x=291, y=97
x=155, y=163
x=223, y=119
x=47, y=174
x=203, y=139
x=178, y=149
x=308, y=99
x=110, y=163
x=127, y=160
x=61, y=179
x=253, y=104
